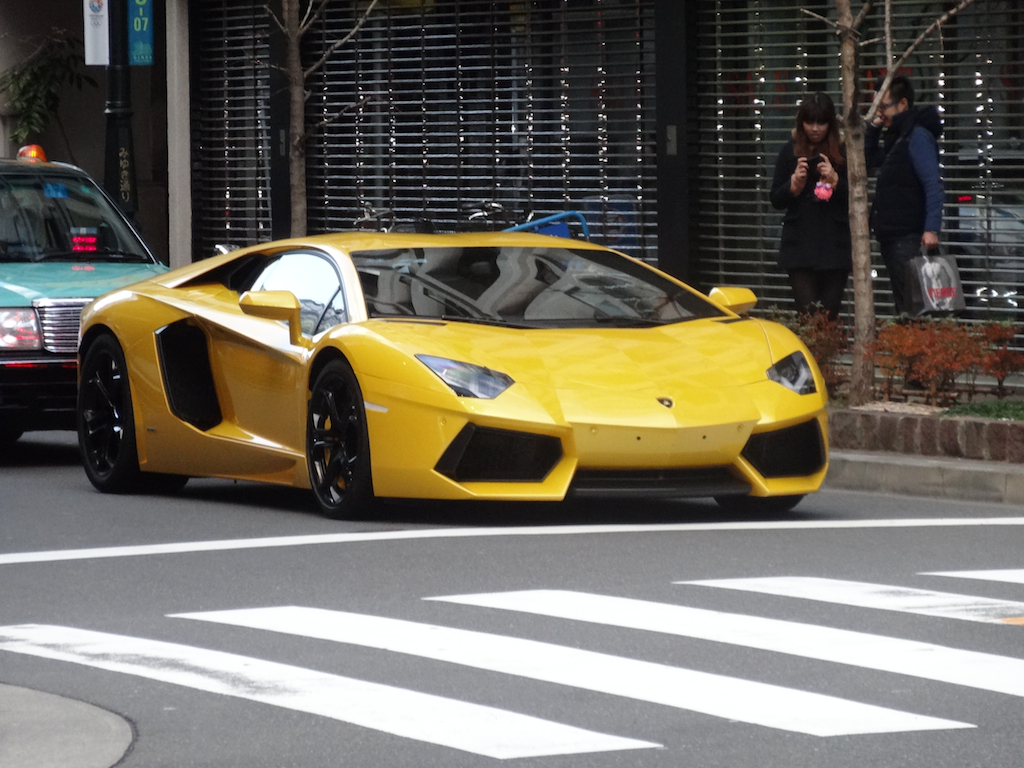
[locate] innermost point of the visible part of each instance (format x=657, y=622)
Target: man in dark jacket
x=906, y=214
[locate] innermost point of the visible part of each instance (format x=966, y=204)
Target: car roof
x=8, y=165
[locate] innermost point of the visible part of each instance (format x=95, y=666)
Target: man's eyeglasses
x=887, y=104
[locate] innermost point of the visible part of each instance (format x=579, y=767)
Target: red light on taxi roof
x=33, y=153
x=965, y=199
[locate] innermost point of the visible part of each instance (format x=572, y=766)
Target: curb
x=42, y=730
x=944, y=478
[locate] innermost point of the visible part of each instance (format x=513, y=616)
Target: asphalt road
x=232, y=626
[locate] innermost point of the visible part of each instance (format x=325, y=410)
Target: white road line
x=183, y=547
x=1011, y=576
x=1002, y=674
x=469, y=727
x=728, y=697
x=881, y=596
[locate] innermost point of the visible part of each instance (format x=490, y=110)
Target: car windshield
x=62, y=217
x=526, y=287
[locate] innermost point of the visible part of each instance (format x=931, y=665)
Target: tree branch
x=819, y=17
x=310, y=16
x=338, y=43
x=274, y=18
x=335, y=117
x=920, y=38
x=864, y=11
x=895, y=66
x=852, y=29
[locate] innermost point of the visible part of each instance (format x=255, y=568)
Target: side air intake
x=487, y=455
x=791, y=452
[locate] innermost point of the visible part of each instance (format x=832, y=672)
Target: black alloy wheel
x=338, y=444
x=106, y=425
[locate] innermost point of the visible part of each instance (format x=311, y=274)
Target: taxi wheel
x=338, y=444
x=9, y=435
x=758, y=505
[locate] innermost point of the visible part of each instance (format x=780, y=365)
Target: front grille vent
x=59, y=320
x=687, y=482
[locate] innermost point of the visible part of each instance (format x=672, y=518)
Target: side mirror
x=738, y=300
x=276, y=305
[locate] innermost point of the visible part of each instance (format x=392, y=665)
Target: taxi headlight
x=466, y=379
x=794, y=372
x=19, y=329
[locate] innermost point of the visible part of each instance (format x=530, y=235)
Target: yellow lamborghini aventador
x=472, y=366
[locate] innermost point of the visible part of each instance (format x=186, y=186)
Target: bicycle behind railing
x=480, y=216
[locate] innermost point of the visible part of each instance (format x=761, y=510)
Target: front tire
x=106, y=425
x=338, y=444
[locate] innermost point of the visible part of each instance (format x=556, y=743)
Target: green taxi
x=63, y=242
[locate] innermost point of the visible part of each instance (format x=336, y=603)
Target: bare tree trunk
x=862, y=371
x=296, y=115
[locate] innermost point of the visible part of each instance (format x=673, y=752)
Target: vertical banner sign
x=140, y=32
x=97, y=40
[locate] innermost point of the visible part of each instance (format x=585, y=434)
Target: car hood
x=703, y=353
x=21, y=284
x=681, y=374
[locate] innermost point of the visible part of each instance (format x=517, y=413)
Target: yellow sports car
x=471, y=366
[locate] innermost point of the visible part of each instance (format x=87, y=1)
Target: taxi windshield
x=62, y=217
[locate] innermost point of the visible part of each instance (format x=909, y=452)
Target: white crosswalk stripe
x=880, y=596
x=470, y=727
x=728, y=697
x=1010, y=575
x=984, y=671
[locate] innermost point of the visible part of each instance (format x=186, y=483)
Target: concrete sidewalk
x=41, y=730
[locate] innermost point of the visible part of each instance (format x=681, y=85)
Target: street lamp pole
x=119, y=166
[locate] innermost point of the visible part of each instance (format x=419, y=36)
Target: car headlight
x=19, y=329
x=466, y=379
x=794, y=372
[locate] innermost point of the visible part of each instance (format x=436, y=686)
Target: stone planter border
x=927, y=435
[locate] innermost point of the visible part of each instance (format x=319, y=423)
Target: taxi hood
x=22, y=283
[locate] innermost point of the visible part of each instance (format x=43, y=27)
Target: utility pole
x=119, y=162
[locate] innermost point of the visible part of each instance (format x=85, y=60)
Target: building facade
x=659, y=120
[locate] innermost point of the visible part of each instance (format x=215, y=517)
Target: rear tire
x=338, y=444
x=106, y=425
x=758, y=505
x=8, y=436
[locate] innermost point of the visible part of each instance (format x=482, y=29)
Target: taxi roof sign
x=33, y=153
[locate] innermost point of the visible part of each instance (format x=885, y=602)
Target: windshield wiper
x=626, y=322
x=494, y=321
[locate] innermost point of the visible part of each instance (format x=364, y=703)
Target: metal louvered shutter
x=230, y=125
x=758, y=59
x=541, y=106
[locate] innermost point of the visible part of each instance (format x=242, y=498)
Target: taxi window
x=62, y=218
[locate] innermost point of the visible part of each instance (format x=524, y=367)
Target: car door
x=260, y=374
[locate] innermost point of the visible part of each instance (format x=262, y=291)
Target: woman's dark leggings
x=824, y=287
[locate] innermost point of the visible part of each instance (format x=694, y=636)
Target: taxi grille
x=59, y=320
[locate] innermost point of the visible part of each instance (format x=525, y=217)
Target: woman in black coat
x=810, y=184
